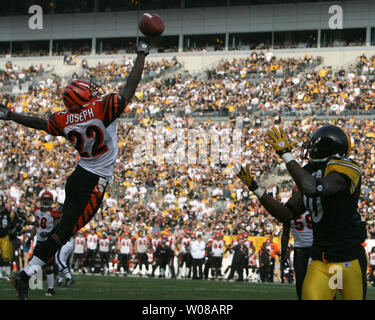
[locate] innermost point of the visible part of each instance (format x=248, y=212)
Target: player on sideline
x=79, y=249
x=328, y=187
x=89, y=123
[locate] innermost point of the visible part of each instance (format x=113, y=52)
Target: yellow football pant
x=6, y=248
x=323, y=279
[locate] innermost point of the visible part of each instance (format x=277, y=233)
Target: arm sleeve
x=293, y=210
x=112, y=106
x=53, y=127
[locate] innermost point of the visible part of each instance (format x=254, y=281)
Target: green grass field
x=134, y=288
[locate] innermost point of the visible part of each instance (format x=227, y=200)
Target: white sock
x=67, y=273
x=33, y=265
x=50, y=280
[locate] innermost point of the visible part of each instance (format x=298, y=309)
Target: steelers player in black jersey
x=6, y=247
x=328, y=187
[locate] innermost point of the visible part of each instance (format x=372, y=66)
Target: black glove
x=143, y=46
x=4, y=112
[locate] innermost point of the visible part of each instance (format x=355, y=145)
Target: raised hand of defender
x=4, y=112
x=244, y=175
x=279, y=141
x=143, y=46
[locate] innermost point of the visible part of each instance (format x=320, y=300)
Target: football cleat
x=69, y=282
x=21, y=286
x=50, y=292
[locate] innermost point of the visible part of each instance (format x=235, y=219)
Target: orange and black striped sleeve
x=113, y=105
x=53, y=126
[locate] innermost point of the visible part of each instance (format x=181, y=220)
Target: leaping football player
x=328, y=187
x=89, y=123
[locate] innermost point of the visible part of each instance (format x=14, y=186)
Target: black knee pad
x=48, y=270
x=46, y=251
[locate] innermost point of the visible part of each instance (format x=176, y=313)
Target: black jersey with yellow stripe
x=338, y=228
x=5, y=219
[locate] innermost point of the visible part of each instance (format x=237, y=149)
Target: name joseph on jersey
x=79, y=117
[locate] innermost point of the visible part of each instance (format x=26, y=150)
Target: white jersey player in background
x=61, y=258
x=91, y=245
x=79, y=249
x=104, y=250
x=124, y=248
x=217, y=251
x=45, y=219
x=303, y=239
x=185, y=255
x=141, y=244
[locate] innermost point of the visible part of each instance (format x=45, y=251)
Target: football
x=151, y=25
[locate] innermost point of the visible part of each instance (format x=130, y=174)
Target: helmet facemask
x=46, y=202
x=96, y=90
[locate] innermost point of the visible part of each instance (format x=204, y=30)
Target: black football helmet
x=326, y=142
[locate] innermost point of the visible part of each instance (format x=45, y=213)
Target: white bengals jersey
x=92, y=132
x=79, y=244
x=155, y=242
x=141, y=244
x=302, y=231
x=172, y=242
x=44, y=222
x=104, y=245
x=253, y=260
x=217, y=248
x=124, y=245
x=185, y=245
x=92, y=241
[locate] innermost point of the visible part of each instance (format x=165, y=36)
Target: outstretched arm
x=285, y=239
x=282, y=212
x=128, y=90
x=27, y=121
x=309, y=185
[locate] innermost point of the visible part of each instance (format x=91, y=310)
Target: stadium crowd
x=160, y=197
x=260, y=83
